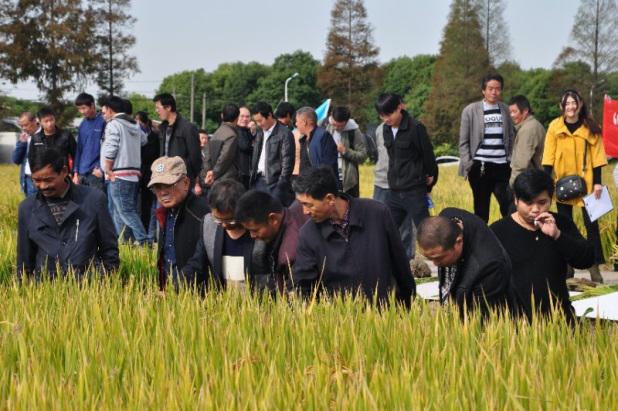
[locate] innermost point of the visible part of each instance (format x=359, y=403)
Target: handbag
x=572, y=186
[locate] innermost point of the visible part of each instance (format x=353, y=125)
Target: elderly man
x=29, y=127
x=179, y=216
x=317, y=146
x=64, y=226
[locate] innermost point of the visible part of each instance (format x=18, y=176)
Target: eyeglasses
x=230, y=221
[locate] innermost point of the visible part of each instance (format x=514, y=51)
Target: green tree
x=495, y=30
x=462, y=62
x=410, y=77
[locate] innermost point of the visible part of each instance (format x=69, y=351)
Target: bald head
x=438, y=232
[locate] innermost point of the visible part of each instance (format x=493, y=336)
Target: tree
x=462, y=62
x=350, y=72
x=47, y=41
x=410, y=77
x=495, y=30
x=114, y=40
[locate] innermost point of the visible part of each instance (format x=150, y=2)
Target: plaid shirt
x=343, y=227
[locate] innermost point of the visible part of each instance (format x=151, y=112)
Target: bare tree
x=495, y=30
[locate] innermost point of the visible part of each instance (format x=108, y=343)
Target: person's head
x=230, y=113
x=306, y=120
x=261, y=214
x=47, y=120
x=519, y=108
x=222, y=199
x=169, y=181
x=112, y=105
x=574, y=108
x=252, y=127
x=285, y=113
x=533, y=190
x=143, y=120
x=128, y=107
x=440, y=240
x=244, y=116
x=49, y=171
x=317, y=191
x=27, y=122
x=389, y=107
x=341, y=115
x=263, y=115
x=85, y=105
x=165, y=105
x=203, y=138
x=491, y=86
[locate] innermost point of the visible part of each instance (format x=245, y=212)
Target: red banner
x=610, y=127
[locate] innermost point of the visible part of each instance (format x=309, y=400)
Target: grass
x=123, y=345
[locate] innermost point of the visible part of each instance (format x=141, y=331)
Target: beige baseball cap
x=167, y=170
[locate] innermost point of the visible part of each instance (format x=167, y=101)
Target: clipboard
x=598, y=208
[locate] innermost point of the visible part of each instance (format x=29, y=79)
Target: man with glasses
x=179, y=216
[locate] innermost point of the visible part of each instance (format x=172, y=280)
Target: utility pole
x=192, y=105
x=285, y=86
x=204, y=111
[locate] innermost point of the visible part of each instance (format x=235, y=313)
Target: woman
x=573, y=146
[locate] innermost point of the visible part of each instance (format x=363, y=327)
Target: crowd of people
x=270, y=200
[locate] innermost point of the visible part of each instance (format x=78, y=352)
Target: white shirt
x=395, y=130
x=262, y=160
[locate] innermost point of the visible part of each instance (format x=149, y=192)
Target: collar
x=270, y=130
x=356, y=216
x=406, y=121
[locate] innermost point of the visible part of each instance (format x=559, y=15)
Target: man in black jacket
x=178, y=137
x=63, y=226
x=179, y=216
x=50, y=135
x=350, y=245
x=473, y=268
x=245, y=146
x=273, y=156
x=412, y=167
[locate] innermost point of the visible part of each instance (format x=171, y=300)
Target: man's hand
x=23, y=137
x=210, y=178
x=97, y=172
x=341, y=148
x=429, y=180
x=547, y=224
x=598, y=189
x=76, y=179
x=111, y=176
x=197, y=189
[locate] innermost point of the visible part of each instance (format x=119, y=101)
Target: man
x=245, y=146
x=318, y=147
x=180, y=216
x=87, y=167
x=122, y=161
x=277, y=229
x=529, y=138
x=350, y=245
x=412, y=170
x=273, y=156
x=224, y=147
x=285, y=114
x=49, y=135
x=177, y=136
x=205, y=155
x=485, y=147
x=29, y=127
x=541, y=246
x=473, y=268
x=63, y=226
x=224, y=255
x=351, y=150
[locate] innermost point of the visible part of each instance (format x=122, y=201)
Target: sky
x=179, y=35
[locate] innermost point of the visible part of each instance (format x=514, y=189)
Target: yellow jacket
x=565, y=153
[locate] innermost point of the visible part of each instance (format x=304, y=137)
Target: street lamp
x=285, y=88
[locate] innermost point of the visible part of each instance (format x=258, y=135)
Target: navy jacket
x=89, y=136
x=85, y=237
x=19, y=156
x=372, y=260
x=320, y=150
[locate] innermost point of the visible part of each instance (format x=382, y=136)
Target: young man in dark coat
x=179, y=216
x=350, y=245
x=541, y=245
x=64, y=225
x=473, y=268
x=50, y=135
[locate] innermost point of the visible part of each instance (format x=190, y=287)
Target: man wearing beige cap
x=179, y=216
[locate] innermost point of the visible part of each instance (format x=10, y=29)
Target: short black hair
x=438, y=231
x=255, y=206
x=202, y=131
x=84, y=99
x=224, y=195
x=532, y=182
x=143, y=117
x=115, y=103
x=521, y=102
x=230, y=112
x=45, y=112
x=40, y=158
x=285, y=109
x=166, y=100
x=317, y=183
x=341, y=113
x=263, y=108
x=492, y=76
x=128, y=107
x=387, y=103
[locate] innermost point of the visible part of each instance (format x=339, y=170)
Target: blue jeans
x=405, y=228
x=124, y=197
x=28, y=187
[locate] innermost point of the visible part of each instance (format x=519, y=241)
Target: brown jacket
x=528, y=147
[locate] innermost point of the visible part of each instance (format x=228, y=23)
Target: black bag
x=572, y=186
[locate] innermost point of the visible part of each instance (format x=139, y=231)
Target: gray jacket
x=381, y=168
x=355, y=154
x=123, y=143
x=472, y=131
x=224, y=157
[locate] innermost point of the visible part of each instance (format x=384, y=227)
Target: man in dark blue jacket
x=87, y=165
x=29, y=127
x=64, y=226
x=318, y=147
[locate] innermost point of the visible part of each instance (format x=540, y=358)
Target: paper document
x=233, y=268
x=598, y=208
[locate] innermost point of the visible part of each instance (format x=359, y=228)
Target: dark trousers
x=592, y=230
x=91, y=180
x=485, y=179
x=286, y=197
x=406, y=207
x=354, y=191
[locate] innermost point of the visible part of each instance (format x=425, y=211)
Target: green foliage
x=410, y=77
x=13, y=107
x=143, y=103
x=445, y=149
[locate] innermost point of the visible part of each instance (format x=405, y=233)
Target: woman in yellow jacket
x=568, y=138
